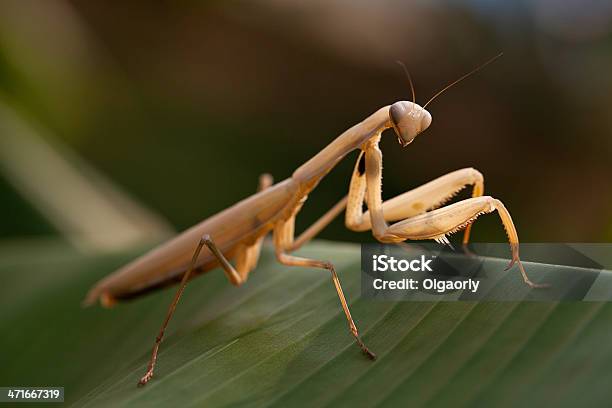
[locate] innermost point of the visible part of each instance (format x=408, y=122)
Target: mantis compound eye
x=425, y=120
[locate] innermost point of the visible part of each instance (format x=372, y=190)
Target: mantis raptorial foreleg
x=283, y=240
x=436, y=224
x=424, y=198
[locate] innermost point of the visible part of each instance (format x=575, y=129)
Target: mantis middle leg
x=284, y=242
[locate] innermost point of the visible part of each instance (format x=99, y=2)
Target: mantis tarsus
x=237, y=233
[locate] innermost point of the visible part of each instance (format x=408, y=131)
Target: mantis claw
x=145, y=379
x=370, y=355
x=365, y=350
x=538, y=285
x=148, y=375
x=525, y=278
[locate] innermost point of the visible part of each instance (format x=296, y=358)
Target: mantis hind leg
x=246, y=260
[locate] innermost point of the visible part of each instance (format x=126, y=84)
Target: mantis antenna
x=409, y=80
x=478, y=68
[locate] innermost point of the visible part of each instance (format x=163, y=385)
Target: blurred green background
x=123, y=122
x=184, y=104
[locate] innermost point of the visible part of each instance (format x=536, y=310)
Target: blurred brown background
x=184, y=104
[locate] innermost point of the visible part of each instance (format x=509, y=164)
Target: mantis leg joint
x=206, y=239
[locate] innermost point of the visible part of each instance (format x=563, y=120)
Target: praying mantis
x=237, y=233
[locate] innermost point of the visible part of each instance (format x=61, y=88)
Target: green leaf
x=282, y=340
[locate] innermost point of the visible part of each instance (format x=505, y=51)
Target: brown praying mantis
x=237, y=233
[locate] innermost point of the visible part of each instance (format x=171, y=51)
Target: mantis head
x=408, y=120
